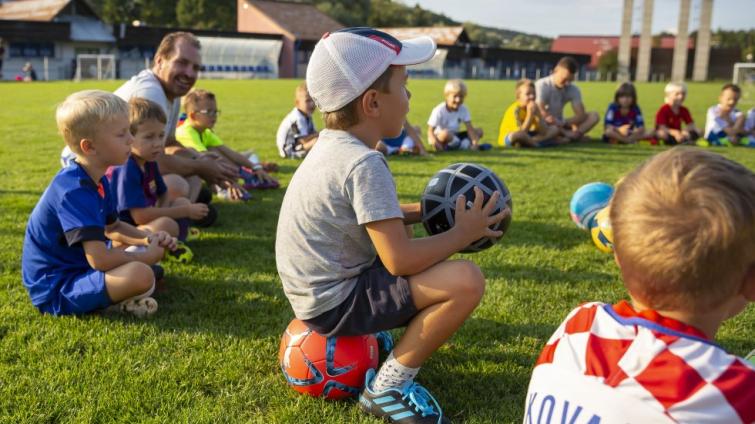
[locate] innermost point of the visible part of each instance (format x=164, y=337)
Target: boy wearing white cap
x=347, y=265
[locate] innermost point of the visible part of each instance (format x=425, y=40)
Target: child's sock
x=392, y=374
x=183, y=228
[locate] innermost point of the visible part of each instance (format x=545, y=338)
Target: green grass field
x=210, y=354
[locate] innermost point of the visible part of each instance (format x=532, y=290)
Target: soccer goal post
x=95, y=67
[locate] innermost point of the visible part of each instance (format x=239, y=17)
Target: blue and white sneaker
x=409, y=404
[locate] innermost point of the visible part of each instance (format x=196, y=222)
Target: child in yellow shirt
x=521, y=125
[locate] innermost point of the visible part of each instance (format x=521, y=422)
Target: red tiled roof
x=595, y=45
x=32, y=10
x=302, y=20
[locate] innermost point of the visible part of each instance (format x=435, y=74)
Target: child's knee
x=167, y=224
x=471, y=283
x=443, y=135
x=142, y=279
x=177, y=186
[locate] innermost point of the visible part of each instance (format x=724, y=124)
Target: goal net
x=95, y=67
x=744, y=77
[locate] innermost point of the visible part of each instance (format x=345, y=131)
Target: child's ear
x=86, y=146
x=370, y=103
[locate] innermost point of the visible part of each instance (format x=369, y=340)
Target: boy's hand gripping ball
x=439, y=199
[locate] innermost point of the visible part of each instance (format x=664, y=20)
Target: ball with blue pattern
x=587, y=201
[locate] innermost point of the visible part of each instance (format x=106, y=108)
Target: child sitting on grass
x=444, y=125
x=409, y=142
x=623, y=121
x=684, y=230
x=347, y=264
x=724, y=123
x=196, y=133
x=66, y=265
x=142, y=198
x=296, y=133
x=670, y=116
x=522, y=126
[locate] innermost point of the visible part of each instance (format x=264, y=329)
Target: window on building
x=28, y=50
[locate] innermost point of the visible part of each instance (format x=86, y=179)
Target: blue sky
x=587, y=17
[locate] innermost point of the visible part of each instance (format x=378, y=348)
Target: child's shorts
x=81, y=294
x=544, y=143
x=461, y=141
x=394, y=145
x=721, y=138
x=379, y=301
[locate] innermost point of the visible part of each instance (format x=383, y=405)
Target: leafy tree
x=608, y=62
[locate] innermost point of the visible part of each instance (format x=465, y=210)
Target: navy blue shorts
x=379, y=301
x=81, y=294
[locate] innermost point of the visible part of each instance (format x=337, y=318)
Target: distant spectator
x=29, y=73
x=555, y=91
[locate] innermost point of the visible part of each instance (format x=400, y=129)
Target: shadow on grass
x=528, y=233
x=542, y=274
x=480, y=373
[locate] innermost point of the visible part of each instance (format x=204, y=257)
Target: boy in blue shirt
x=142, y=198
x=66, y=265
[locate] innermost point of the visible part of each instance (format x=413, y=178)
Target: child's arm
x=146, y=215
x=233, y=156
x=431, y=139
x=103, y=259
x=531, y=111
x=472, y=133
x=412, y=213
x=414, y=135
x=126, y=233
x=404, y=256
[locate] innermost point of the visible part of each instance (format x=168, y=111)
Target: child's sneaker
x=409, y=404
x=140, y=308
x=702, y=143
x=182, y=254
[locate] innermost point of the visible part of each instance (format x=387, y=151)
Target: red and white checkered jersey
x=610, y=363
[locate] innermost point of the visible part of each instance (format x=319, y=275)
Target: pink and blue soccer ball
x=587, y=201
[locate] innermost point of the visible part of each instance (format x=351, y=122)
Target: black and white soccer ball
x=439, y=199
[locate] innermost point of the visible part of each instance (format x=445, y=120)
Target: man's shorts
x=80, y=294
x=379, y=301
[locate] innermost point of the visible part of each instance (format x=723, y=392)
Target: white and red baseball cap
x=346, y=62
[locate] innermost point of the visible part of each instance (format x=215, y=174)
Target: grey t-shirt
x=322, y=245
x=556, y=98
x=145, y=85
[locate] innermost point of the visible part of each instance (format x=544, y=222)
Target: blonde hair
x=191, y=100
x=455, y=86
x=82, y=112
x=348, y=116
x=684, y=229
x=675, y=86
x=141, y=110
x=524, y=82
x=300, y=90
